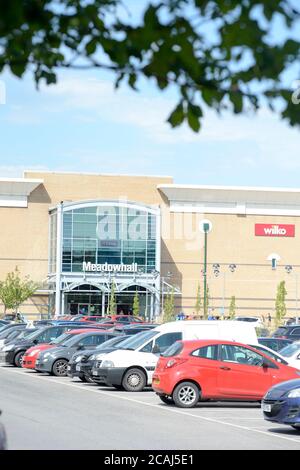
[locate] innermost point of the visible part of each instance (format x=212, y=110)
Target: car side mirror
x=156, y=349
x=35, y=341
x=265, y=365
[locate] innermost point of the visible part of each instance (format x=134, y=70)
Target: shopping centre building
x=80, y=235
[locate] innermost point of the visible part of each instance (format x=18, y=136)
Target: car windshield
x=138, y=340
x=33, y=335
x=26, y=333
x=111, y=342
x=61, y=339
x=290, y=350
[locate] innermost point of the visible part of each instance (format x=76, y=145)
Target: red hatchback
x=190, y=371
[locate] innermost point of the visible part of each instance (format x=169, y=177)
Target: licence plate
x=94, y=373
x=77, y=367
x=266, y=408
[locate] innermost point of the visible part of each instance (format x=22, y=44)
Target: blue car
x=281, y=404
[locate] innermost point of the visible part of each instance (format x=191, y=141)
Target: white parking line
x=140, y=402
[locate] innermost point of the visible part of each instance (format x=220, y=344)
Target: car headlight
x=45, y=355
x=78, y=358
x=8, y=348
x=93, y=357
x=107, y=364
x=294, y=393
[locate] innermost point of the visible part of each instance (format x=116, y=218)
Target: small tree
x=112, y=309
x=280, y=307
x=168, y=313
x=14, y=291
x=198, y=304
x=136, y=305
x=232, y=308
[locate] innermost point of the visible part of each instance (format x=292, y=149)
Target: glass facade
x=53, y=242
x=110, y=234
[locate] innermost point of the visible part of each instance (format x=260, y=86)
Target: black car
x=13, y=353
x=275, y=343
x=14, y=333
x=81, y=363
x=55, y=360
x=291, y=332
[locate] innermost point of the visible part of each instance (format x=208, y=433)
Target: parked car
x=133, y=329
x=292, y=354
x=291, y=332
x=82, y=362
x=55, y=361
x=3, y=438
x=274, y=343
x=31, y=354
x=13, y=334
x=132, y=365
x=14, y=352
x=11, y=325
x=191, y=371
x=281, y=404
x=125, y=319
x=249, y=319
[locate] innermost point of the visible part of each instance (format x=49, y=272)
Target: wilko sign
x=274, y=230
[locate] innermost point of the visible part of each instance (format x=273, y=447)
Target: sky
x=83, y=125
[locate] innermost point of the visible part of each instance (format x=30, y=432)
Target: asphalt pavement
x=41, y=412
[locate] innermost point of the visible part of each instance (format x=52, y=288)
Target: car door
x=241, y=374
x=203, y=367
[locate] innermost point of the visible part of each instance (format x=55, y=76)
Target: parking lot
x=44, y=412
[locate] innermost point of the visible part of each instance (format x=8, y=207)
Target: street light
x=216, y=268
x=205, y=227
x=289, y=269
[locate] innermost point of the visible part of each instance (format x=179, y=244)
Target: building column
x=58, y=259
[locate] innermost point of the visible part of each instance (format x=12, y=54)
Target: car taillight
x=174, y=362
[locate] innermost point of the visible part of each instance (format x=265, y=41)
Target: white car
x=271, y=353
x=291, y=354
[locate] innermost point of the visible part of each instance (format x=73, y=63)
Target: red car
x=191, y=371
x=31, y=355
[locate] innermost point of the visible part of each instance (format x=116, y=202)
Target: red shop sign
x=274, y=230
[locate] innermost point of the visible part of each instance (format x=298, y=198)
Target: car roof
x=207, y=342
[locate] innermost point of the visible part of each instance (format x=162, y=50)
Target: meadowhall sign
x=110, y=268
x=274, y=230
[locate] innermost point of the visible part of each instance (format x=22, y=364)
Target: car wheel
x=166, y=399
x=134, y=380
x=18, y=360
x=186, y=395
x=60, y=368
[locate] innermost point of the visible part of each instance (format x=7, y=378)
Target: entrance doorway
x=88, y=300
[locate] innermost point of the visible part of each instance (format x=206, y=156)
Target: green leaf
x=177, y=116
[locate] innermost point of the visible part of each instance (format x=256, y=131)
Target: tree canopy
x=219, y=54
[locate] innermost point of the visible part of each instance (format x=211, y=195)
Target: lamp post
x=289, y=269
x=205, y=227
x=216, y=268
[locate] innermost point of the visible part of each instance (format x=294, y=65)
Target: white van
x=131, y=367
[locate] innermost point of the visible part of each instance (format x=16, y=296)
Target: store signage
x=110, y=268
x=274, y=230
